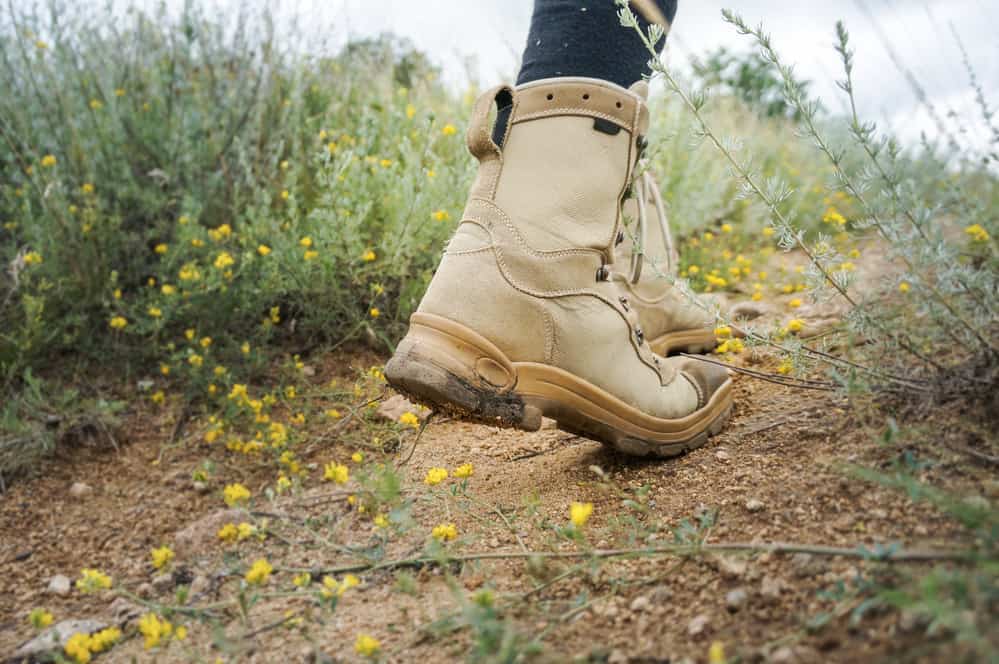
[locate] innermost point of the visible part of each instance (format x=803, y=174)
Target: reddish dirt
x=775, y=474
x=782, y=449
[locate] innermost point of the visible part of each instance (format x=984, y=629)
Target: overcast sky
x=490, y=34
x=486, y=38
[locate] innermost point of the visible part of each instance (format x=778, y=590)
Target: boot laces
x=644, y=185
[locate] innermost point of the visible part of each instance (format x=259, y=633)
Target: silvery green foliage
x=953, y=301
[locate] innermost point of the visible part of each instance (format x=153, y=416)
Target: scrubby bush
x=170, y=173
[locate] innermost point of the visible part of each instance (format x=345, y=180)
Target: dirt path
x=771, y=475
x=775, y=474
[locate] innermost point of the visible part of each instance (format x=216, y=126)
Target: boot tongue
x=640, y=88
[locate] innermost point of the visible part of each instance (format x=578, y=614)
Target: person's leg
x=573, y=38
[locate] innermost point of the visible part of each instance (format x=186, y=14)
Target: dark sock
x=583, y=38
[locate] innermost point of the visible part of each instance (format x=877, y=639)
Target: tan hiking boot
x=523, y=318
x=672, y=321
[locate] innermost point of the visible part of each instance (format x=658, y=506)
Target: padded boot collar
x=550, y=97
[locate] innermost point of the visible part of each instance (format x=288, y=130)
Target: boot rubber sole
x=449, y=367
x=688, y=341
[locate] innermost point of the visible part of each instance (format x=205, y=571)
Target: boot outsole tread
x=434, y=366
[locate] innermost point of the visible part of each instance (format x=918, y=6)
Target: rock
x=145, y=590
x=697, y=625
x=771, y=587
x=783, y=655
x=60, y=585
x=56, y=637
x=754, y=505
x=806, y=565
x=640, y=603
x=722, y=455
x=202, y=487
x=731, y=567
x=204, y=531
x=124, y=611
x=80, y=490
x=661, y=595
x=735, y=599
x=163, y=582
x=395, y=406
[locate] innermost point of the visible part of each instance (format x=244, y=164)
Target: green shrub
x=150, y=167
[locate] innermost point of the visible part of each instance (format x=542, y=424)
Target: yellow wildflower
x=977, y=233
x=785, y=367
x=449, y=130
x=161, y=248
x=48, y=161
x=794, y=325
x=723, y=332
x=161, y=556
x=441, y=215
x=410, y=111
x=284, y=194
x=223, y=260
x=464, y=471
x=40, y=618
x=154, y=630
x=259, y=572
x=155, y=312
x=118, y=323
x=409, y=419
x=435, y=476
x=832, y=216
x=904, y=287
x=795, y=303
x=445, y=532
x=310, y=255
x=195, y=360
x=726, y=228
x=336, y=472
x=78, y=648
x=302, y=580
x=368, y=256
x=579, y=513
x=716, y=653
x=366, y=646
x=91, y=580
x=380, y=520
x=235, y=494
x=374, y=312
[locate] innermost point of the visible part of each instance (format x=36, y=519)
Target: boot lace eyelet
x=639, y=336
x=624, y=303
x=619, y=239
x=603, y=274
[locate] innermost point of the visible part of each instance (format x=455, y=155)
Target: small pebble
x=754, y=505
x=640, y=603
x=697, y=625
x=60, y=585
x=735, y=599
x=80, y=490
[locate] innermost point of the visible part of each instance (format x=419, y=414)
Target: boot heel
x=447, y=366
